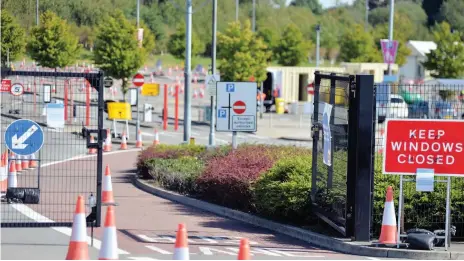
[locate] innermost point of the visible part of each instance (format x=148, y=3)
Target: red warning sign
x=430, y=144
x=6, y=85
x=239, y=107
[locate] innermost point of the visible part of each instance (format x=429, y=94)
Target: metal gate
x=47, y=121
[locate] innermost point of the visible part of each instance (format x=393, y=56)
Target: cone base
x=78, y=251
x=388, y=235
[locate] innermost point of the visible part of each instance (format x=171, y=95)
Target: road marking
x=194, y=239
x=255, y=250
x=141, y=258
x=293, y=253
x=372, y=258
x=208, y=251
x=159, y=250
x=28, y=212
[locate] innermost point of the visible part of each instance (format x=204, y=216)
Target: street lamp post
x=318, y=34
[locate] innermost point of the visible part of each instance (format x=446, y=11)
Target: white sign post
x=236, y=108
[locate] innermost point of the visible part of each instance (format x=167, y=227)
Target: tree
x=292, y=48
x=356, y=45
x=447, y=61
x=176, y=44
x=314, y=5
x=452, y=11
x=13, y=41
x=148, y=42
x=242, y=54
x=52, y=44
x=116, y=49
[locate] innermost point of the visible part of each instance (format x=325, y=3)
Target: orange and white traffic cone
x=32, y=161
x=3, y=174
x=25, y=162
x=107, y=147
x=139, y=143
x=19, y=165
x=244, y=250
x=388, y=231
x=181, y=249
x=124, y=141
x=92, y=150
x=156, y=141
x=109, y=246
x=107, y=190
x=78, y=248
x=12, y=180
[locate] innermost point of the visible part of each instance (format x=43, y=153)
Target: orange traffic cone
x=244, y=250
x=139, y=143
x=181, y=250
x=124, y=141
x=92, y=150
x=107, y=146
x=107, y=190
x=78, y=248
x=109, y=246
x=32, y=161
x=25, y=162
x=388, y=231
x=3, y=174
x=12, y=180
x=156, y=141
x=18, y=163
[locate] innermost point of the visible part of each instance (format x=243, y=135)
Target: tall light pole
x=137, y=126
x=237, y=7
x=318, y=36
x=187, y=83
x=37, y=12
x=366, y=23
x=213, y=72
x=390, y=29
x=254, y=16
x=138, y=13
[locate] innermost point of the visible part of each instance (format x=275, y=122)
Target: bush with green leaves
x=283, y=192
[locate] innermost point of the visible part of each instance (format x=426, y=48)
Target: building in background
x=413, y=71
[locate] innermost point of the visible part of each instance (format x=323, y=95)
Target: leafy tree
x=116, y=49
x=314, y=5
x=452, y=11
x=52, y=43
x=356, y=45
x=176, y=44
x=13, y=41
x=270, y=38
x=292, y=48
x=242, y=54
x=403, y=29
x=148, y=42
x=447, y=61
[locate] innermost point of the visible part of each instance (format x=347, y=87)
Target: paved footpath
x=146, y=228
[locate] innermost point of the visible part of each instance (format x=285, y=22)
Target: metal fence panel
x=63, y=104
x=421, y=209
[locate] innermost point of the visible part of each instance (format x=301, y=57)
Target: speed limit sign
x=17, y=89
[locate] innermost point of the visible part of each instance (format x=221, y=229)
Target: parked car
x=445, y=110
x=398, y=107
x=419, y=110
x=382, y=101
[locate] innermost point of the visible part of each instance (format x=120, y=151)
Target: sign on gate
x=236, y=106
x=412, y=144
x=6, y=85
x=24, y=137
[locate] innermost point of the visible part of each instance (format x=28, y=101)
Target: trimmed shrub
x=283, y=192
x=176, y=174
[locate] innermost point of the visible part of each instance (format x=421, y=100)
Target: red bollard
x=176, y=109
x=165, y=110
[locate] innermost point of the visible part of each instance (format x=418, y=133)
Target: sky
x=330, y=3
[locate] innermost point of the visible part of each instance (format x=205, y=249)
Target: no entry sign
x=138, y=80
x=239, y=107
x=432, y=144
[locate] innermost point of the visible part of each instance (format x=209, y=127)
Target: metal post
x=8, y=57
x=261, y=99
x=390, y=28
x=237, y=7
x=213, y=72
x=366, y=23
x=138, y=13
x=400, y=207
x=254, y=16
x=37, y=12
x=234, y=140
x=318, y=29
x=188, y=58
x=447, y=222
x=100, y=148
x=137, y=127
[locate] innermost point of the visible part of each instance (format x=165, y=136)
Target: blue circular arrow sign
x=24, y=137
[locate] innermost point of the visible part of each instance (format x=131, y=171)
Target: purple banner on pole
x=389, y=50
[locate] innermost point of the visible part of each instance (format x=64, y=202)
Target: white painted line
x=208, y=251
x=141, y=258
x=159, y=250
x=372, y=258
x=28, y=212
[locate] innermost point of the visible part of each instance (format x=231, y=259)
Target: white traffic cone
x=109, y=246
x=12, y=180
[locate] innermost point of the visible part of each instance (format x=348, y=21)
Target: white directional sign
x=236, y=106
x=211, y=81
x=24, y=137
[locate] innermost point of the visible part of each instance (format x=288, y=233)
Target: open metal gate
x=47, y=121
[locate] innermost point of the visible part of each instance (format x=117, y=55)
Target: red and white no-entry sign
x=138, y=80
x=239, y=107
x=310, y=89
